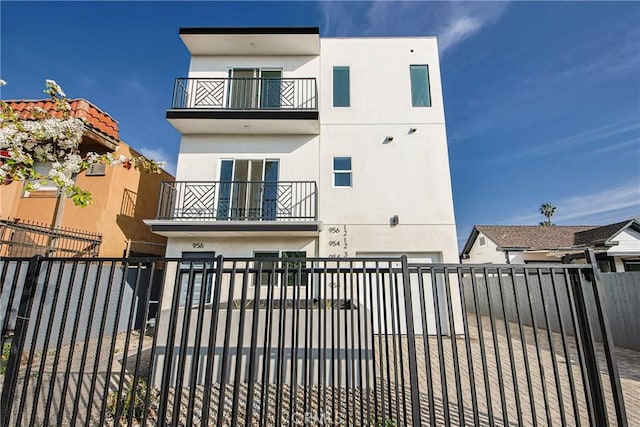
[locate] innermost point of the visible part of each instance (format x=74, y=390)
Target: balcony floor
x=202, y=121
x=202, y=228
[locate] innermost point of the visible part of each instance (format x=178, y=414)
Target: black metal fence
x=246, y=93
x=238, y=200
x=304, y=342
x=20, y=238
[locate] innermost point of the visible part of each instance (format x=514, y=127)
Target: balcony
x=236, y=208
x=245, y=106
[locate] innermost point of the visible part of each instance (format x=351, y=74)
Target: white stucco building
x=298, y=145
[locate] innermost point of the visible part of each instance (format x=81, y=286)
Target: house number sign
x=338, y=243
x=197, y=245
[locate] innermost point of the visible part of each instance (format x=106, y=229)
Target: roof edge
x=470, y=240
x=69, y=100
x=249, y=30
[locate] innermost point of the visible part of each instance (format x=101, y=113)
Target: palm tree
x=547, y=209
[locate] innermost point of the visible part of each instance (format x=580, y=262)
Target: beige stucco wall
x=121, y=200
x=9, y=197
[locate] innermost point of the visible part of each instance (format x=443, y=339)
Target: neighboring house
x=616, y=246
x=121, y=199
x=297, y=145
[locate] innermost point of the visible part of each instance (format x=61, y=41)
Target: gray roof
x=540, y=237
x=601, y=235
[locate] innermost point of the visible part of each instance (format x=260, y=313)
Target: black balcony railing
x=238, y=200
x=246, y=94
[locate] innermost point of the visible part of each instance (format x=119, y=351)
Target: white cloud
x=613, y=147
x=601, y=207
x=457, y=31
x=609, y=134
x=451, y=22
x=159, y=155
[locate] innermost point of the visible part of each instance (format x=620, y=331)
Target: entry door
x=244, y=88
x=248, y=190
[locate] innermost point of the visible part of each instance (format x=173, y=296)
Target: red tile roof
x=80, y=108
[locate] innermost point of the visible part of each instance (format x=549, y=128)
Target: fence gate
x=292, y=341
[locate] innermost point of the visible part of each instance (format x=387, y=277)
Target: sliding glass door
x=243, y=92
x=248, y=190
x=253, y=88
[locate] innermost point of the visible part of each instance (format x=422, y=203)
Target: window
x=606, y=264
x=47, y=188
x=268, y=265
x=340, y=86
x=196, y=272
x=296, y=276
x=420, y=96
x=342, y=172
x=482, y=241
x=631, y=264
x=97, y=169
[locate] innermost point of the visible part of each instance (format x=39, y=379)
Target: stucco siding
x=407, y=177
x=487, y=253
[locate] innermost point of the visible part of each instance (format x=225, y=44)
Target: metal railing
x=246, y=93
x=336, y=342
x=20, y=238
x=238, y=200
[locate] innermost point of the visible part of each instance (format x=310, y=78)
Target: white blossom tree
x=54, y=140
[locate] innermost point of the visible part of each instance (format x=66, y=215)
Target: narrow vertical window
x=196, y=273
x=342, y=171
x=340, y=86
x=420, y=96
x=296, y=275
x=266, y=264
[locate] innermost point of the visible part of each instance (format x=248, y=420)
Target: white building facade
x=297, y=145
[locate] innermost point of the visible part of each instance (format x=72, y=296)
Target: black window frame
x=414, y=98
x=192, y=266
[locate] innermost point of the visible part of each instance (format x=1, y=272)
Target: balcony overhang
x=195, y=228
x=252, y=41
x=203, y=121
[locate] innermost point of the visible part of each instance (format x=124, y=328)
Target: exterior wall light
x=395, y=220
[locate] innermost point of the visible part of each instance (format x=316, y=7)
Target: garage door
x=413, y=257
x=416, y=288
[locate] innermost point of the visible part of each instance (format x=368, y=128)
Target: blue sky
x=542, y=99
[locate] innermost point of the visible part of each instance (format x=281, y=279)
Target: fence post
x=19, y=336
x=590, y=357
x=607, y=341
x=586, y=333
x=411, y=343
